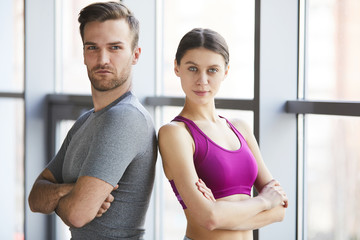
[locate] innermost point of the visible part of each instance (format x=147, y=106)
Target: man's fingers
x=109, y=198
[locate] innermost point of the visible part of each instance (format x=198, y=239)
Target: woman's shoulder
x=172, y=129
x=242, y=126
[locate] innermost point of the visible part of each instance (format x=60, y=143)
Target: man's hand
x=106, y=204
x=46, y=193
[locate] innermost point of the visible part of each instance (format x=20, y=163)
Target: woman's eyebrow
x=191, y=62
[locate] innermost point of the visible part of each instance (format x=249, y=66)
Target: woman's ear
x=227, y=70
x=176, y=68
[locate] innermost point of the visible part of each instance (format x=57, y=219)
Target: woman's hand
x=205, y=190
x=274, y=195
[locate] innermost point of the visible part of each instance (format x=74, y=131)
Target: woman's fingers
x=205, y=190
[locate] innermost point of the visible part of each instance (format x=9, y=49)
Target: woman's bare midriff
x=196, y=232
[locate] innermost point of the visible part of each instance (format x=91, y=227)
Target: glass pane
x=237, y=28
x=71, y=74
x=12, y=169
x=333, y=50
x=62, y=128
x=173, y=218
x=332, y=180
x=12, y=52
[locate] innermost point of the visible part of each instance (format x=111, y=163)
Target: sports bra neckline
x=232, y=128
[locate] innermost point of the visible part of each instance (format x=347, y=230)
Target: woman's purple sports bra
x=225, y=172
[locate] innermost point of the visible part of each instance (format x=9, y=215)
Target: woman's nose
x=202, y=78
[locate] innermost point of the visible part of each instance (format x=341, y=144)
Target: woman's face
x=201, y=72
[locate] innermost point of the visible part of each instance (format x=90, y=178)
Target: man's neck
x=103, y=99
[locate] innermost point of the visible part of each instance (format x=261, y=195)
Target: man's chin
x=104, y=88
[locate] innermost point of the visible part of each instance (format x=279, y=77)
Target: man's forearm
x=45, y=195
x=68, y=214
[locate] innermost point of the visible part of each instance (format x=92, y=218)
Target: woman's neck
x=198, y=112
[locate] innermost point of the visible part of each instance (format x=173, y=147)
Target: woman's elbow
x=210, y=221
x=280, y=214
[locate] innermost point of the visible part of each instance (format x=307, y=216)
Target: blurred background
x=298, y=51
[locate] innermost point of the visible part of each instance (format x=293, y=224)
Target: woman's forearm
x=263, y=218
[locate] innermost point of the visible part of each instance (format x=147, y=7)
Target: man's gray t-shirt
x=117, y=145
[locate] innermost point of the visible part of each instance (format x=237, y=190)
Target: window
x=12, y=56
x=332, y=177
x=331, y=154
x=12, y=168
x=12, y=120
x=333, y=52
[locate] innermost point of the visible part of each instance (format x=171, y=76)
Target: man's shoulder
x=131, y=108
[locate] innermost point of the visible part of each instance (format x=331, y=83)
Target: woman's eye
x=192, y=69
x=213, y=70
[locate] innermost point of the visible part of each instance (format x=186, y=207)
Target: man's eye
x=91, y=47
x=192, y=69
x=115, y=47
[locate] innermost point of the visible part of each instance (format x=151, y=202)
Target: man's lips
x=102, y=71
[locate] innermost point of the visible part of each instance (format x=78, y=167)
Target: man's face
x=108, y=55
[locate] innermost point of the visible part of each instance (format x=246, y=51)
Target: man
x=100, y=181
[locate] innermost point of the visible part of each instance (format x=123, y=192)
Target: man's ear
x=136, y=55
x=84, y=54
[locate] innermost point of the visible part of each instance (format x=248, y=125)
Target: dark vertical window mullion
x=257, y=82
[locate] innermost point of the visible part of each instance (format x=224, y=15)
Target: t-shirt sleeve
x=117, y=141
x=56, y=164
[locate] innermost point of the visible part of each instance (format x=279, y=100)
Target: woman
x=212, y=163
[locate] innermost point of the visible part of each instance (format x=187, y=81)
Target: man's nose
x=103, y=57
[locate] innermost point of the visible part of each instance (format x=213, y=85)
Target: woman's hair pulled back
x=206, y=38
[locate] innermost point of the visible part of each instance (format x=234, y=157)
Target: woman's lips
x=200, y=93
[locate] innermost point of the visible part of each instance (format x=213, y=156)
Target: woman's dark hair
x=109, y=11
x=206, y=38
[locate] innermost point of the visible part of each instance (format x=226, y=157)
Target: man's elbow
x=76, y=222
x=31, y=204
x=36, y=207
x=75, y=218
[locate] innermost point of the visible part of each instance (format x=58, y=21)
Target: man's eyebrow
x=89, y=43
x=116, y=43
x=112, y=43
